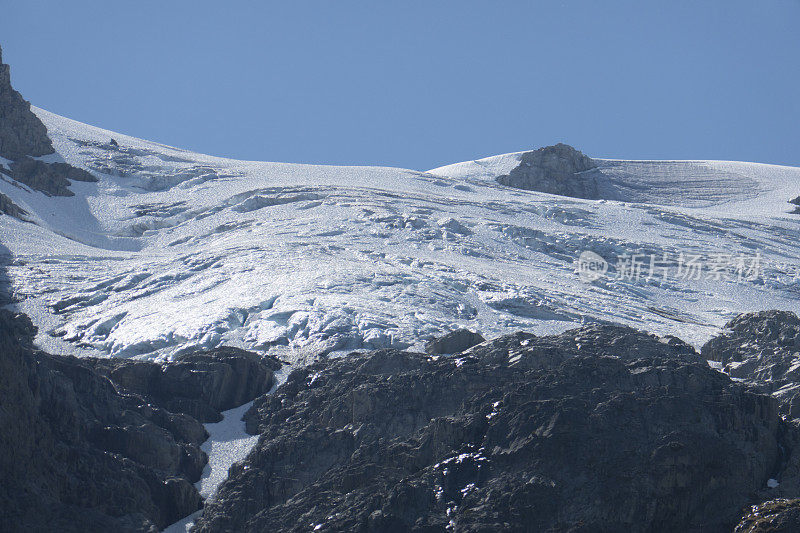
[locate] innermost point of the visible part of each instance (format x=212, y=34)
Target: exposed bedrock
x=200, y=383
x=602, y=428
x=558, y=169
x=21, y=132
x=89, y=445
x=454, y=342
x=50, y=178
x=774, y=516
x=763, y=349
x=24, y=137
x=7, y=207
x=75, y=455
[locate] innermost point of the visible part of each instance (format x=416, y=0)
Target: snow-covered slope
x=172, y=249
x=725, y=187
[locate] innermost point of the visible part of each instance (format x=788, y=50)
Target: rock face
x=49, y=178
x=200, y=383
x=599, y=429
x=75, y=455
x=109, y=445
x=762, y=349
x=454, y=342
x=556, y=170
x=775, y=516
x=7, y=207
x=22, y=137
x=21, y=132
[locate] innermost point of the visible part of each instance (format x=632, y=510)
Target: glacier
x=172, y=250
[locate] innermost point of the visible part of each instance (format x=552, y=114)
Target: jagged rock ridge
x=24, y=137
x=9, y=208
x=21, y=132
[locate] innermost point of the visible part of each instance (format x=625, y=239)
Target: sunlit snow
x=173, y=249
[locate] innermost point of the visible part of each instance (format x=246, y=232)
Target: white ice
x=172, y=249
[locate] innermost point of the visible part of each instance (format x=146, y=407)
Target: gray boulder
x=454, y=342
x=558, y=169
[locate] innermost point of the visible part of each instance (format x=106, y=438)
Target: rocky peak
x=21, y=132
x=554, y=169
x=560, y=158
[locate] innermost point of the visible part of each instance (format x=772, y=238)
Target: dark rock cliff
x=79, y=452
x=762, y=349
x=24, y=137
x=599, y=429
x=200, y=383
x=21, y=132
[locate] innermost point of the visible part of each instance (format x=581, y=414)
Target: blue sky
x=420, y=84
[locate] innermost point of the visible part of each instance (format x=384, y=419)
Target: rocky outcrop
x=599, y=429
x=50, y=178
x=454, y=342
x=7, y=207
x=109, y=445
x=774, y=516
x=199, y=383
x=76, y=455
x=23, y=137
x=763, y=349
x=796, y=203
x=558, y=169
x=21, y=132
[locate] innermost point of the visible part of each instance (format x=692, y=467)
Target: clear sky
x=420, y=83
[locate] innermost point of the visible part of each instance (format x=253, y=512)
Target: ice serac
x=21, y=132
x=602, y=428
x=557, y=169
